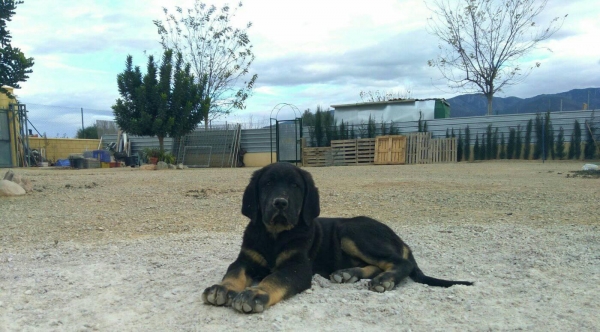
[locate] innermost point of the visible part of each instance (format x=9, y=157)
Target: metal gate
x=5, y=154
x=289, y=140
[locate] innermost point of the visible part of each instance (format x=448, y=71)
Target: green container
x=442, y=109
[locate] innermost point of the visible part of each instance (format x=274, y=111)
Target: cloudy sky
x=308, y=53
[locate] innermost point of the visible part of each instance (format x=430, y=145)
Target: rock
x=148, y=167
x=162, y=165
x=9, y=188
x=180, y=166
x=25, y=183
x=9, y=175
x=172, y=166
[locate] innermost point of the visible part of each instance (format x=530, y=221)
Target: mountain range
x=573, y=100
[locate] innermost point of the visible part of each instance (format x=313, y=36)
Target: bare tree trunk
x=489, y=108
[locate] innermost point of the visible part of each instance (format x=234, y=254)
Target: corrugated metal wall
x=478, y=124
x=259, y=140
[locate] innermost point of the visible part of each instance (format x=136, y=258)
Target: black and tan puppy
x=285, y=244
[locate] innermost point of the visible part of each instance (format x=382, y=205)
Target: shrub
x=527, y=150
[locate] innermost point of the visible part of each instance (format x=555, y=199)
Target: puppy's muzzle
x=280, y=203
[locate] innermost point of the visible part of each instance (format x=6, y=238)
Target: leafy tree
x=166, y=101
x=510, y=148
x=206, y=39
x=560, y=144
x=90, y=132
x=482, y=42
x=15, y=67
x=527, y=149
x=518, y=143
x=467, y=151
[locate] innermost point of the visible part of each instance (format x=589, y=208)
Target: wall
x=259, y=159
x=61, y=148
x=12, y=123
x=385, y=111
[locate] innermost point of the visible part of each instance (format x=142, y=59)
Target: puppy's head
x=281, y=195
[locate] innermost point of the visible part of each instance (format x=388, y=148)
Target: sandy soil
x=132, y=250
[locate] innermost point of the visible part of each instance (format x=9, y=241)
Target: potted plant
x=153, y=155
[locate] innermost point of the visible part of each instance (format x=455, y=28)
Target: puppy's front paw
x=218, y=295
x=252, y=300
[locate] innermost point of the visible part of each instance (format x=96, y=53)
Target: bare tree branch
x=482, y=42
x=216, y=50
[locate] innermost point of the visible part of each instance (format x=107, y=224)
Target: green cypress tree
x=502, y=153
x=589, y=151
x=495, y=144
x=537, y=149
x=447, y=132
x=518, y=143
x=549, y=137
x=319, y=132
x=527, y=147
x=467, y=148
x=459, y=145
x=577, y=140
x=488, y=143
x=571, y=153
x=476, y=148
x=482, y=148
x=560, y=144
x=510, y=148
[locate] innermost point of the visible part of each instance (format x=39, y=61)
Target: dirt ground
x=131, y=250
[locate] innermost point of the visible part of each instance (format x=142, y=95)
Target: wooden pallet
x=365, y=151
x=343, y=152
x=316, y=157
x=417, y=148
x=443, y=150
x=390, y=150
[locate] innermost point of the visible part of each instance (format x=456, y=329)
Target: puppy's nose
x=280, y=203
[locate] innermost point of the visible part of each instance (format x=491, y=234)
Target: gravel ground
x=132, y=250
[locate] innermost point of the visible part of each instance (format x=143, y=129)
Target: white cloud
x=308, y=53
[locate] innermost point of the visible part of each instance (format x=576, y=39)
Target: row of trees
x=323, y=128
x=491, y=145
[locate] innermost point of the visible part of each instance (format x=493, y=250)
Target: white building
x=392, y=111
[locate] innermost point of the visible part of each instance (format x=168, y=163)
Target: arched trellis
x=297, y=123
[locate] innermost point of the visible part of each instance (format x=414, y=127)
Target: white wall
x=385, y=112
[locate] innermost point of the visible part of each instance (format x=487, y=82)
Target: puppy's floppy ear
x=250, y=201
x=310, y=207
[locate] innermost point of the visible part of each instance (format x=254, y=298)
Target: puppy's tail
x=418, y=276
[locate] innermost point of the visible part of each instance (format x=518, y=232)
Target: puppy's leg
x=292, y=275
x=237, y=278
x=393, y=265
